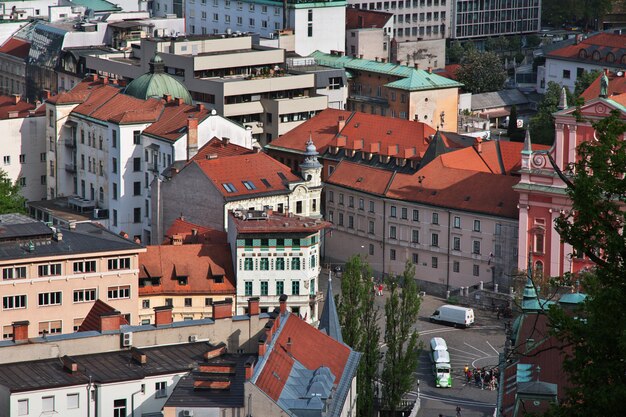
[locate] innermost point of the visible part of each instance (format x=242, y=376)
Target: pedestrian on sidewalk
x=458, y=411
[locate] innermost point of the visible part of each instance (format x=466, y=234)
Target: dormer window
x=610, y=57
x=229, y=187
x=249, y=185
x=582, y=54
x=596, y=55
x=182, y=280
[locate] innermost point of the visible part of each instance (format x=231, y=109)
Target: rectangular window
x=392, y=211
x=350, y=222
x=84, y=266
x=72, y=401
x=392, y=232
x=372, y=206
x=415, y=236
x=280, y=287
x=280, y=264
x=188, y=302
x=248, y=288
x=295, y=287
x=350, y=201
x=416, y=215
x=49, y=270
x=137, y=188
x=14, y=273
x=50, y=298
x=264, y=264
x=145, y=303
x=119, y=408
x=566, y=74
x=331, y=196
x=477, y=225
x=295, y=264
x=119, y=292
x=340, y=199
x=160, y=389
x=115, y=191
x=456, y=243
x=137, y=137
x=456, y=266
x=47, y=404
x=137, y=164
x=22, y=408
x=13, y=302
x=435, y=218
x=264, y=288
x=298, y=207
x=118, y=263
x=404, y=213
x=476, y=270
x=370, y=228
x=434, y=262
x=361, y=204
x=137, y=215
x=371, y=249
x=392, y=254
x=457, y=222
x=476, y=247
x=340, y=219
x=114, y=138
x=434, y=239
x=498, y=230
x=84, y=295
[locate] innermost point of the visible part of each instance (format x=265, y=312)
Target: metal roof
x=412, y=79
x=500, y=98
x=106, y=367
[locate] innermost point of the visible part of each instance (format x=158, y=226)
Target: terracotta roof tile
x=309, y=346
x=92, y=321
x=15, y=47
x=361, y=177
x=279, y=223
x=172, y=123
x=185, y=230
x=219, y=148
x=361, y=18
x=602, y=42
x=81, y=92
x=195, y=261
x=253, y=168
x=8, y=105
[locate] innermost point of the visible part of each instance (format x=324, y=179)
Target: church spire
x=527, y=151
x=329, y=320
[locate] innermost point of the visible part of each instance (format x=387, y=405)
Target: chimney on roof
x=253, y=306
x=376, y=59
x=20, y=330
x=225, y=141
x=282, y=300
x=105, y=80
x=479, y=145
x=138, y=356
x=179, y=101
x=114, y=81
x=288, y=347
x=361, y=56
x=177, y=240
x=69, y=364
x=194, y=232
x=200, y=107
x=45, y=94
x=110, y=321
x=249, y=366
x=416, y=65
x=341, y=123
x=15, y=98
x=398, y=62
x=222, y=309
x=192, y=137
x=383, y=60
x=430, y=70
x=162, y=315
x=122, y=83
x=167, y=97
x=93, y=77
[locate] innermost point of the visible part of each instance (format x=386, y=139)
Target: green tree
x=401, y=312
x=11, y=200
x=542, y=124
x=359, y=326
x=481, y=72
x=511, y=128
x=455, y=52
x=595, y=226
x=584, y=80
x=562, y=12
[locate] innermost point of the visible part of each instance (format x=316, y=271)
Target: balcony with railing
x=71, y=168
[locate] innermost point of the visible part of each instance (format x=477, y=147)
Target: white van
x=458, y=316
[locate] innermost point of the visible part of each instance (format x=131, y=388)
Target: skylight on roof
x=282, y=176
x=266, y=182
x=229, y=187
x=249, y=185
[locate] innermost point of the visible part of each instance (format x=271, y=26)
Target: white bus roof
x=441, y=356
x=437, y=343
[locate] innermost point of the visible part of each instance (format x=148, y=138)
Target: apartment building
x=105, y=147
x=368, y=33
x=315, y=25
x=13, y=54
x=455, y=218
x=276, y=254
x=220, y=179
x=23, y=149
x=388, y=89
x=52, y=277
x=458, y=19
x=241, y=81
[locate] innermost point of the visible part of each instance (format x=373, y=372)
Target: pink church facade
x=542, y=194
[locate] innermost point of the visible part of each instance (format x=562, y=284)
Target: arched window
x=610, y=57
x=582, y=54
x=596, y=55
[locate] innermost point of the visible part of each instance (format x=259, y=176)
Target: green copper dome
x=157, y=83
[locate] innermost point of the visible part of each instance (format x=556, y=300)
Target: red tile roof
x=92, y=321
x=617, y=87
x=15, y=47
x=602, y=42
x=254, y=168
x=172, y=123
x=185, y=230
x=220, y=148
x=361, y=18
x=279, y=223
x=309, y=346
x=361, y=177
x=8, y=105
x=81, y=92
x=449, y=71
x=372, y=133
x=201, y=264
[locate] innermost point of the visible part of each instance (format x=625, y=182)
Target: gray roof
x=106, y=367
x=184, y=395
x=15, y=239
x=329, y=320
x=496, y=99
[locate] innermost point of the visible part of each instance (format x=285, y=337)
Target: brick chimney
x=288, y=347
x=20, y=330
x=45, y=94
x=416, y=65
x=341, y=123
x=192, y=137
x=253, y=306
x=249, y=366
x=105, y=80
x=15, y=98
x=283, y=303
x=179, y=101
x=138, y=356
x=69, y=364
x=110, y=321
x=167, y=97
x=479, y=145
x=222, y=309
x=225, y=141
x=93, y=77
x=200, y=107
x=262, y=347
x=430, y=70
x=162, y=315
